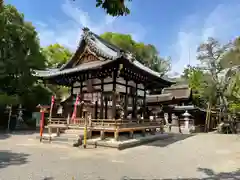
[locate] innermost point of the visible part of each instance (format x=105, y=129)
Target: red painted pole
x=74, y=114
x=41, y=124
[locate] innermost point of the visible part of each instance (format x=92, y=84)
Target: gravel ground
x=201, y=156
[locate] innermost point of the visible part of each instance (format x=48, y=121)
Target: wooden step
x=73, y=131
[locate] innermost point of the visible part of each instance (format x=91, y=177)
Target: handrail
x=107, y=122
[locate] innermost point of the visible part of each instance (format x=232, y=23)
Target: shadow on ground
x=173, y=138
x=222, y=175
x=208, y=173
x=5, y=135
x=48, y=178
x=9, y=158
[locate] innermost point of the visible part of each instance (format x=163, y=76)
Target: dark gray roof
x=85, y=66
x=178, y=91
x=159, y=98
x=102, y=48
x=170, y=93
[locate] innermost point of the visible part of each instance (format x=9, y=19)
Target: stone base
x=120, y=145
x=123, y=142
x=175, y=129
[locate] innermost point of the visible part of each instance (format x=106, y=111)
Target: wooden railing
x=121, y=123
x=57, y=121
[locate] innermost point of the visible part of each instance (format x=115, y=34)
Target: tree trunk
x=1, y=4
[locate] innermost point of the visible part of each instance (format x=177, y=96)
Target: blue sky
x=175, y=27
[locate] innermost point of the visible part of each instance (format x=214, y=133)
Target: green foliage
x=212, y=81
x=113, y=7
x=8, y=99
x=56, y=55
x=196, y=80
x=234, y=107
x=19, y=54
x=37, y=94
x=58, y=91
x=146, y=54
x=232, y=57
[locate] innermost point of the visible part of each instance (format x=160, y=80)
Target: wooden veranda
x=106, y=125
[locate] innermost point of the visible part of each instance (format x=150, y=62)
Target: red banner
x=75, y=109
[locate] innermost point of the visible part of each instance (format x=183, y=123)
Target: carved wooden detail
x=88, y=58
x=85, y=58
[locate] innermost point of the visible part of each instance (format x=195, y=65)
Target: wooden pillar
x=102, y=135
x=96, y=109
x=114, y=94
x=102, y=103
x=144, y=103
x=116, y=133
x=126, y=101
x=135, y=102
x=81, y=99
x=170, y=121
x=106, y=107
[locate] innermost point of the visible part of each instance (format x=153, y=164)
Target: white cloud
x=68, y=32
x=222, y=23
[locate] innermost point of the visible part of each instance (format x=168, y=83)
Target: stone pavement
x=201, y=156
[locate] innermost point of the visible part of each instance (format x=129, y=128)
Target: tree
x=19, y=54
x=56, y=55
x=196, y=79
x=1, y=4
x=232, y=57
x=146, y=54
x=210, y=54
x=113, y=7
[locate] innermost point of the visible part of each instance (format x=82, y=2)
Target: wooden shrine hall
x=175, y=101
x=111, y=83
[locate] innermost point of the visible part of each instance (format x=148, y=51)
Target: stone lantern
x=186, y=116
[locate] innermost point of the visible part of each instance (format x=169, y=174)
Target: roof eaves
x=87, y=66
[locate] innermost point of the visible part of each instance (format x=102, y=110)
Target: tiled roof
x=85, y=66
x=178, y=91
x=170, y=93
x=102, y=48
x=159, y=98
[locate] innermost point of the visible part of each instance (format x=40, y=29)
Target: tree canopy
x=114, y=7
x=19, y=54
x=56, y=55
x=215, y=81
x=232, y=57
x=146, y=54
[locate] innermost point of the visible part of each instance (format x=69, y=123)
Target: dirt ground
x=202, y=156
